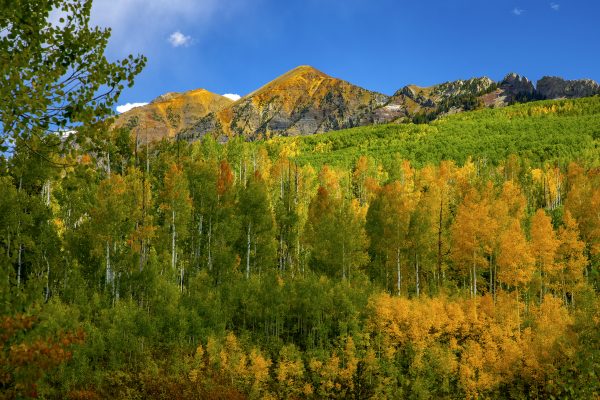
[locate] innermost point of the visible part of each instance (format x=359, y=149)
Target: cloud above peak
x=555, y=6
x=178, y=39
x=140, y=26
x=518, y=11
x=232, y=96
x=126, y=107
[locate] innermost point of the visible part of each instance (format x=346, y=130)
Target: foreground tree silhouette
x=54, y=75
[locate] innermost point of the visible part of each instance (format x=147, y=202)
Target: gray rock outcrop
x=552, y=87
x=516, y=88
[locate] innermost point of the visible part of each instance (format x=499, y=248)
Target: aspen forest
x=231, y=271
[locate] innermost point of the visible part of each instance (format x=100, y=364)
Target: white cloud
x=138, y=26
x=126, y=107
x=178, y=39
x=518, y=11
x=555, y=6
x=232, y=96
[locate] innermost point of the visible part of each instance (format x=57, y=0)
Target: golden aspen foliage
x=514, y=259
x=583, y=202
x=570, y=256
x=543, y=248
x=289, y=371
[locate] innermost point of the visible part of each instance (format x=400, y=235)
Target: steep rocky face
x=551, y=87
x=517, y=88
x=170, y=113
x=303, y=101
x=448, y=97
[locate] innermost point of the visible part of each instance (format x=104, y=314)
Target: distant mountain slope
x=303, y=101
x=542, y=131
x=170, y=113
x=450, y=97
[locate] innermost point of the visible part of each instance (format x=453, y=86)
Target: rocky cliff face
x=515, y=87
x=448, y=97
x=550, y=87
x=303, y=101
x=170, y=113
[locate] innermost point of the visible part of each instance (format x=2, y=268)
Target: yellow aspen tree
x=471, y=233
x=570, y=257
x=543, y=247
x=583, y=202
x=516, y=263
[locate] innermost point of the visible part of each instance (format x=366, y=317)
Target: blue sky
x=235, y=46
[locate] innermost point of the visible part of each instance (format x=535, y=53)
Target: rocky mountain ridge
x=306, y=101
x=170, y=113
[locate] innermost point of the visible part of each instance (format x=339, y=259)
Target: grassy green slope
x=560, y=130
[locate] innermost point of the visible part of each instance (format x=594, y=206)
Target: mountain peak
x=303, y=69
x=169, y=113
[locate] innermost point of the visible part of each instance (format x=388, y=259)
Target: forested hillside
x=458, y=259
x=544, y=131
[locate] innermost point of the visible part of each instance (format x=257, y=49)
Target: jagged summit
x=305, y=101
x=302, y=101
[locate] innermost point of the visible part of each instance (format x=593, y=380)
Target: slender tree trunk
x=20, y=265
x=439, y=241
x=343, y=260
x=181, y=276
x=417, y=274
x=398, y=272
x=173, y=253
x=108, y=269
x=209, y=243
x=248, y=252
x=199, y=247
x=541, y=283
x=495, y=279
x=108, y=163
x=518, y=310
x=47, y=278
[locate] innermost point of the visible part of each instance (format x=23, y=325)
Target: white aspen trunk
x=471, y=281
x=491, y=277
x=108, y=164
x=199, y=250
x=46, y=192
x=281, y=186
x=248, y=252
x=518, y=310
x=541, y=284
x=116, y=287
x=495, y=278
x=47, y=278
x=173, y=260
x=209, y=244
x=474, y=280
x=108, y=270
x=343, y=260
x=19, y=271
x=181, y=276
x=282, y=256
x=417, y=275
x=398, y=272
